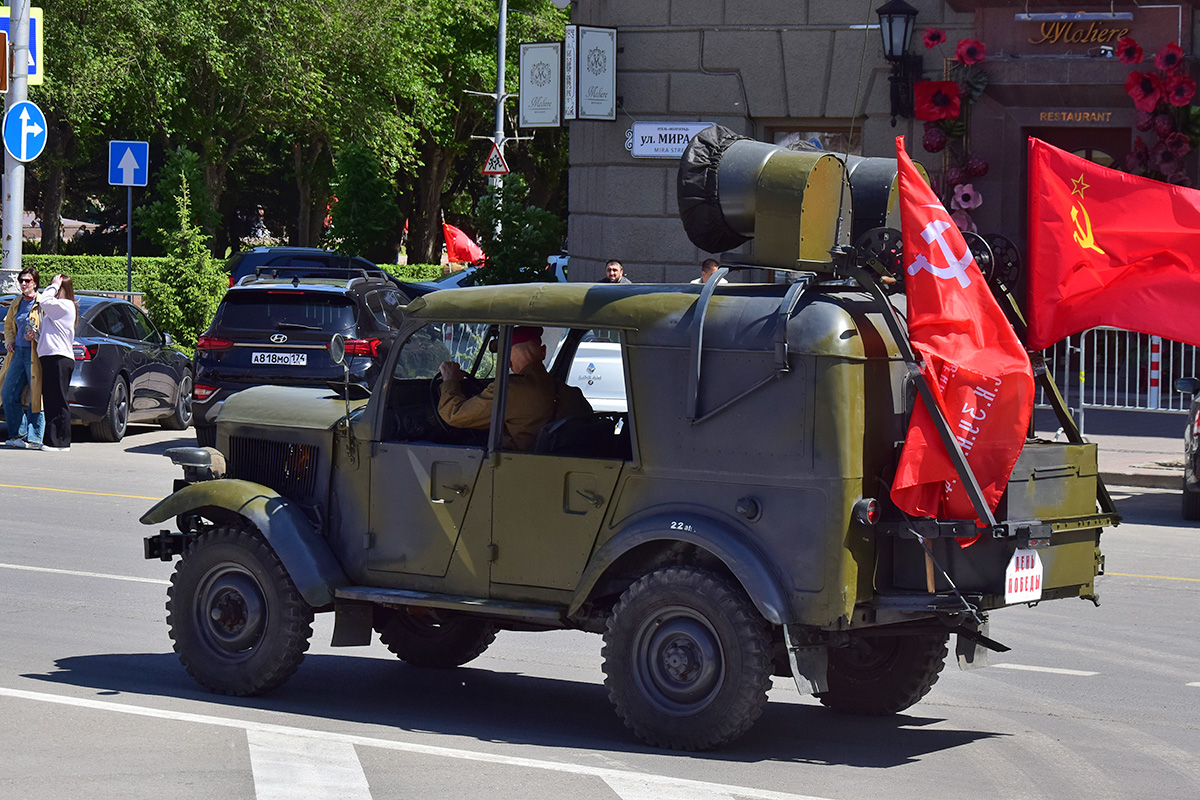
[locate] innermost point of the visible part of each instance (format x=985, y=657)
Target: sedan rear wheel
x=181, y=417
x=111, y=428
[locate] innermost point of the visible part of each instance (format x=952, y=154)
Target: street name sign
x=24, y=131
x=128, y=163
x=36, y=72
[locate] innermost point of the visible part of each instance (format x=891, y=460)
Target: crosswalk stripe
x=290, y=767
x=635, y=789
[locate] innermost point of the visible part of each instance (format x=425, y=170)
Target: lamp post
x=896, y=21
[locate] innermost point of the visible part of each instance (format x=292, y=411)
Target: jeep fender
x=744, y=560
x=305, y=555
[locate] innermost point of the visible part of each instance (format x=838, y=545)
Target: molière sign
x=661, y=139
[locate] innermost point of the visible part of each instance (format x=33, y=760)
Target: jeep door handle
x=594, y=499
x=458, y=490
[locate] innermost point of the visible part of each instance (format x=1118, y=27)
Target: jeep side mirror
x=337, y=348
x=1187, y=385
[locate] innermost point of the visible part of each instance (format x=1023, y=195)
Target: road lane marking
x=1052, y=670
x=1159, y=577
x=293, y=768
x=76, y=491
x=1197, y=683
x=637, y=789
x=80, y=574
x=660, y=783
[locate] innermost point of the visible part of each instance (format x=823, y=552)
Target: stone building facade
x=775, y=70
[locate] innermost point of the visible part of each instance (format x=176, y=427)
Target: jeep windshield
x=287, y=310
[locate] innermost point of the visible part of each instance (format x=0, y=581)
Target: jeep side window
x=426, y=349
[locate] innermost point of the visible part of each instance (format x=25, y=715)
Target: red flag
x=979, y=372
x=460, y=248
x=1108, y=248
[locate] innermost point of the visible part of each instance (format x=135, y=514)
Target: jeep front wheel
x=428, y=637
x=239, y=624
x=880, y=675
x=687, y=659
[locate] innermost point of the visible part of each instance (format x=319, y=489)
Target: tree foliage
x=516, y=235
x=265, y=92
x=183, y=293
x=365, y=210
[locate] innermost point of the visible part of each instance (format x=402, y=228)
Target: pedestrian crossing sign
x=495, y=164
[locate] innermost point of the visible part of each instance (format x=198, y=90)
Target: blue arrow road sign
x=24, y=131
x=128, y=163
x=36, y=72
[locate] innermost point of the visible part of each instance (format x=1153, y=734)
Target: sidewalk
x=1135, y=448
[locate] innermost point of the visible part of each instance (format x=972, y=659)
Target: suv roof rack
x=296, y=272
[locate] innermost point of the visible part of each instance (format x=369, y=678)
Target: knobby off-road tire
x=1191, y=504
x=687, y=659
x=880, y=675
x=181, y=416
x=432, y=638
x=240, y=626
x=111, y=428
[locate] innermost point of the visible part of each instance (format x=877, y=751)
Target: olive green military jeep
x=731, y=524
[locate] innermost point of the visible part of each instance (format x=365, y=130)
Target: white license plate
x=280, y=359
x=1023, y=578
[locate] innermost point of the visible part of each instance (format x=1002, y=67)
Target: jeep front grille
x=286, y=467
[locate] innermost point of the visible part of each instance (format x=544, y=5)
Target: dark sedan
x=126, y=370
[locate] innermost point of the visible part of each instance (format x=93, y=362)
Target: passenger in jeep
x=535, y=398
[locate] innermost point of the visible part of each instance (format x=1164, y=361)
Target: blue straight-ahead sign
x=128, y=163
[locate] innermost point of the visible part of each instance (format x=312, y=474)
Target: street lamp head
x=896, y=19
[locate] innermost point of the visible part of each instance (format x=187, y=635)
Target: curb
x=1143, y=480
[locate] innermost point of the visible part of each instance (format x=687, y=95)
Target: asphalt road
x=1090, y=703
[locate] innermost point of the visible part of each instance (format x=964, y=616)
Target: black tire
x=880, y=675
x=427, y=637
x=206, y=435
x=116, y=414
x=1191, y=504
x=239, y=625
x=181, y=416
x=687, y=659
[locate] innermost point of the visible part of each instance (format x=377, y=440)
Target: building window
x=846, y=142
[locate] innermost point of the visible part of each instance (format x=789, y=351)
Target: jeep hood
x=288, y=407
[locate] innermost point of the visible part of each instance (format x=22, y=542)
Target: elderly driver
x=534, y=397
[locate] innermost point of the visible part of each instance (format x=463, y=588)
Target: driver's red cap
x=526, y=333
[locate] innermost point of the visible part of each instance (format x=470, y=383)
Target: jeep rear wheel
x=1191, y=503
x=880, y=675
x=428, y=637
x=239, y=624
x=687, y=659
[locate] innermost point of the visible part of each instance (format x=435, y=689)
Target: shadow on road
x=514, y=709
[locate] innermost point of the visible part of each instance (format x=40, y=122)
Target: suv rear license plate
x=283, y=359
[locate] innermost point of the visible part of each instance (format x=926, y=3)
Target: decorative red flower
x=1129, y=51
x=955, y=177
x=1180, y=89
x=934, y=100
x=1169, y=58
x=1165, y=161
x=933, y=37
x=934, y=139
x=1178, y=143
x=1139, y=157
x=970, y=51
x=976, y=167
x=1145, y=88
x=1145, y=121
x=1164, y=126
x=1179, y=179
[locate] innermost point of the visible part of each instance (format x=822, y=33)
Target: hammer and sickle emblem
x=957, y=265
x=1083, y=235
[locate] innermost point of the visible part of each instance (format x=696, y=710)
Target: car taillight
x=202, y=392
x=231, y=279
x=361, y=347
x=214, y=343
x=86, y=352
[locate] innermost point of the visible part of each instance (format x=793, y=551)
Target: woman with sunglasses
x=56, y=351
x=22, y=370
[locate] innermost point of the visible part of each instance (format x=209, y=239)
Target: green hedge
x=108, y=273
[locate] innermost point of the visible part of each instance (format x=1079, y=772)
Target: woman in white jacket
x=56, y=352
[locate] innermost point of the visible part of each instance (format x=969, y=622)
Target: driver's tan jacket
x=531, y=404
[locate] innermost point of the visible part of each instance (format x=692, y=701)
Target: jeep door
x=421, y=485
x=548, y=505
